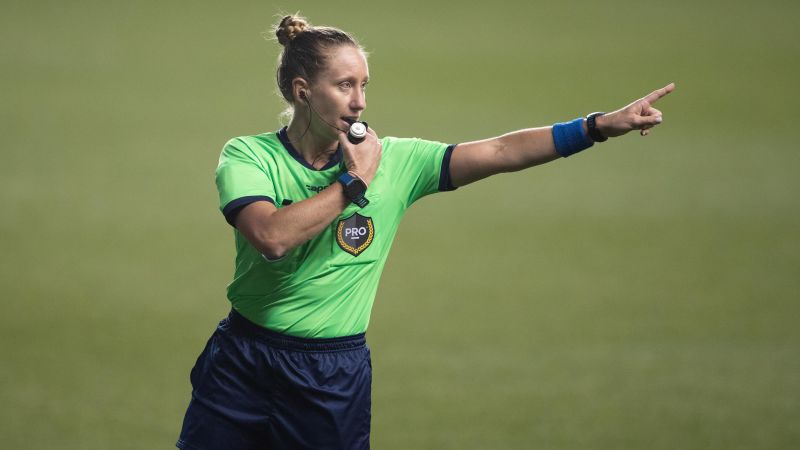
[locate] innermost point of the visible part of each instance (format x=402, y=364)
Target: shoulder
x=258, y=147
x=250, y=143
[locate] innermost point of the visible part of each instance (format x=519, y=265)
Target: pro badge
x=354, y=234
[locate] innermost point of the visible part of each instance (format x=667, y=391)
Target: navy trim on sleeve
x=445, y=183
x=232, y=209
x=284, y=138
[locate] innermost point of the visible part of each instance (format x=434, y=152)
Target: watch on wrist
x=591, y=124
x=354, y=189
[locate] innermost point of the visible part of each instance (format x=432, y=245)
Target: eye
x=345, y=85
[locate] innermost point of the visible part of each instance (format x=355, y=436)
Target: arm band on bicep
x=570, y=138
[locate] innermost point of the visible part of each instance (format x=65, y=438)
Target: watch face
x=355, y=189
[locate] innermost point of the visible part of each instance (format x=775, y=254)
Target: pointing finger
x=659, y=93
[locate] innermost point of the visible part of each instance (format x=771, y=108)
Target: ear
x=300, y=90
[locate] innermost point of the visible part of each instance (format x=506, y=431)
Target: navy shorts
x=256, y=389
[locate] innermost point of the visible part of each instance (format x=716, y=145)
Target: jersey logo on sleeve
x=354, y=234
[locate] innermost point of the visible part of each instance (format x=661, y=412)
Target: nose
x=358, y=102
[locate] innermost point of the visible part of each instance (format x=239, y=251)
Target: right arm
x=274, y=232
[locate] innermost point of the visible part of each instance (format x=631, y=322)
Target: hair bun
x=289, y=28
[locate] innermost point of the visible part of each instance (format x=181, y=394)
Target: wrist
x=340, y=193
x=354, y=188
x=571, y=137
x=603, y=125
x=601, y=122
x=355, y=174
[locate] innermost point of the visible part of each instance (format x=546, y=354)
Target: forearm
x=275, y=232
x=527, y=148
x=510, y=152
x=522, y=149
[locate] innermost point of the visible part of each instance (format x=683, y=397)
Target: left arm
x=518, y=150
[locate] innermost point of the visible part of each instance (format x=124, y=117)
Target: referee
x=314, y=216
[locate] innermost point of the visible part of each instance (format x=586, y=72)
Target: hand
x=639, y=115
x=362, y=159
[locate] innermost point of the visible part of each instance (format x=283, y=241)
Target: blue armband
x=570, y=138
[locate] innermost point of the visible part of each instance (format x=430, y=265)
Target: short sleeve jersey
x=325, y=287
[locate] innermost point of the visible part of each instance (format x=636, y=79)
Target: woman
x=314, y=217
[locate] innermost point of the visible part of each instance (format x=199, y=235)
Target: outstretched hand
x=639, y=115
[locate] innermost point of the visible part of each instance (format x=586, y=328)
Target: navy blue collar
x=284, y=138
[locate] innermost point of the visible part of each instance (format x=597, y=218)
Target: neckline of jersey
x=284, y=138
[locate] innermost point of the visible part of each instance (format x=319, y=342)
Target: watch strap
x=591, y=125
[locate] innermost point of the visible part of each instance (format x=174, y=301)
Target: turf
x=642, y=294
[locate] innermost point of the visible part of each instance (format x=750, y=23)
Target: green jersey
x=325, y=287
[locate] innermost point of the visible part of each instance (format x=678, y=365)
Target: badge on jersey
x=354, y=234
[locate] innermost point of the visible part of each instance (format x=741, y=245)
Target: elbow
x=272, y=247
x=273, y=250
x=266, y=235
x=273, y=254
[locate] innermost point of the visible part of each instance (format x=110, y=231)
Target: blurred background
x=642, y=294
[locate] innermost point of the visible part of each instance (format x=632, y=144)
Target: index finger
x=343, y=141
x=658, y=93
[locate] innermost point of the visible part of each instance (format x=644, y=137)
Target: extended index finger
x=658, y=93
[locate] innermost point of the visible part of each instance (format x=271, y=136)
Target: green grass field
x=641, y=295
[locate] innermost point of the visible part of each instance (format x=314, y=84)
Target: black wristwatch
x=354, y=189
x=591, y=124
